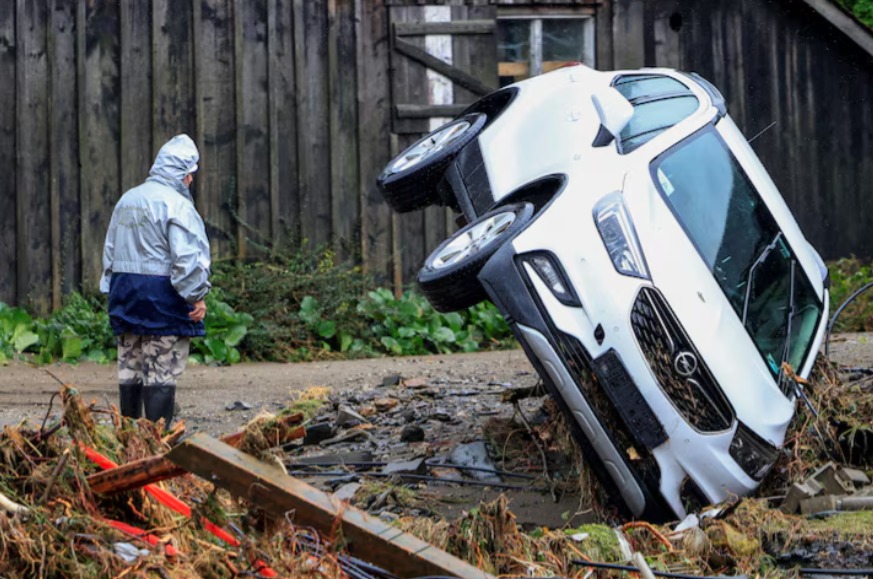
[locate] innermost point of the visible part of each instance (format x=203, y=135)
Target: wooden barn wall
x=270, y=90
x=788, y=72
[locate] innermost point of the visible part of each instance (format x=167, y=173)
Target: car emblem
x=685, y=364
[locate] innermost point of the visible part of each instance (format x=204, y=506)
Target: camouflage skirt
x=151, y=360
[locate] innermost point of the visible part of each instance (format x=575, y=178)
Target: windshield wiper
x=764, y=253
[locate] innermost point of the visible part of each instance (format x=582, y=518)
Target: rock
x=316, y=433
x=388, y=516
x=346, y=417
x=448, y=474
x=415, y=466
x=409, y=415
x=412, y=433
x=415, y=383
x=349, y=436
x=474, y=454
x=347, y=491
x=391, y=380
x=367, y=411
x=385, y=404
x=238, y=405
x=440, y=414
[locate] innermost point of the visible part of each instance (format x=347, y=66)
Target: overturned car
x=647, y=264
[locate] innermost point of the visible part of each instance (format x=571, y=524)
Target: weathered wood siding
x=788, y=72
x=270, y=90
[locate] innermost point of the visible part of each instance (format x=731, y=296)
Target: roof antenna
x=767, y=128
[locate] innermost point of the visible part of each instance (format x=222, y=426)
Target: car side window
x=659, y=103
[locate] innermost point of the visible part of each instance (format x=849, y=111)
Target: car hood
x=680, y=274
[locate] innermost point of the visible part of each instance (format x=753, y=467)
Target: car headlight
x=755, y=455
x=619, y=236
x=552, y=274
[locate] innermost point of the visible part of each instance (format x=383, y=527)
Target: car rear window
x=659, y=103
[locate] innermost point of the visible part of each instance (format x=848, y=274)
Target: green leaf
x=391, y=345
x=443, y=335
x=217, y=348
x=71, y=345
x=345, y=342
x=235, y=334
x=326, y=329
x=233, y=356
x=23, y=338
x=309, y=310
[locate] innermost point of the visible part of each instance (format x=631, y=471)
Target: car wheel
x=449, y=276
x=410, y=180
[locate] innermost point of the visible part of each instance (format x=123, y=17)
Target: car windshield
x=740, y=241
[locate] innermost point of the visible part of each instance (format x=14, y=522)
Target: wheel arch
x=539, y=192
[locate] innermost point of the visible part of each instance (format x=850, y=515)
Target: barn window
x=529, y=45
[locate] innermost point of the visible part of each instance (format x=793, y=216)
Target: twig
x=539, y=446
x=11, y=506
x=55, y=473
x=47, y=413
x=58, y=380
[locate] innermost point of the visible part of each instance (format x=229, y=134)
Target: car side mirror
x=615, y=113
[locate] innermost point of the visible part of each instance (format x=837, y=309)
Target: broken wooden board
x=139, y=473
x=269, y=488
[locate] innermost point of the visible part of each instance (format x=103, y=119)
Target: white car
x=647, y=264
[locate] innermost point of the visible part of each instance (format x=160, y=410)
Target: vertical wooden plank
x=8, y=240
x=373, y=129
x=253, y=153
x=172, y=70
x=313, y=124
x=99, y=88
x=137, y=148
x=342, y=55
x=628, y=26
x=603, y=37
x=64, y=152
x=284, y=184
x=33, y=206
x=216, y=121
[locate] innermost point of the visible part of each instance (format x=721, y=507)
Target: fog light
x=755, y=455
x=553, y=276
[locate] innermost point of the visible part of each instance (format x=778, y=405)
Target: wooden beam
x=844, y=22
x=272, y=490
x=428, y=111
x=139, y=473
x=456, y=75
x=457, y=27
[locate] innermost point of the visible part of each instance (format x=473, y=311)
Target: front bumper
x=633, y=433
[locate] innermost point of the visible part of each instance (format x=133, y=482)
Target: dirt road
x=205, y=391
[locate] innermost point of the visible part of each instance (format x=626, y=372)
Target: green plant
x=16, y=332
x=78, y=331
x=862, y=9
x=225, y=329
x=847, y=276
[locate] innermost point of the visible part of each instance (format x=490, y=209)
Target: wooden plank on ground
x=152, y=469
x=8, y=240
x=33, y=206
x=313, y=125
x=64, y=142
x=137, y=149
x=345, y=203
x=216, y=121
x=99, y=127
x=374, y=87
x=272, y=490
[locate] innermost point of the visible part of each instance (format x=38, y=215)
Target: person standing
x=156, y=267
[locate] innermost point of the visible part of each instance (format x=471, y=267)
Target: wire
x=840, y=309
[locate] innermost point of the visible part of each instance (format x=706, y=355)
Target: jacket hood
x=176, y=159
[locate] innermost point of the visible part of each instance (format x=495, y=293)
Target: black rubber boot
x=159, y=401
x=130, y=399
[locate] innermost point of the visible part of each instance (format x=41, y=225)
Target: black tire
x=407, y=188
x=453, y=285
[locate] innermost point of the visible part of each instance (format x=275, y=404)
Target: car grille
x=678, y=367
x=578, y=362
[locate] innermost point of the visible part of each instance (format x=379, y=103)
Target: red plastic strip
x=152, y=540
x=171, y=502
